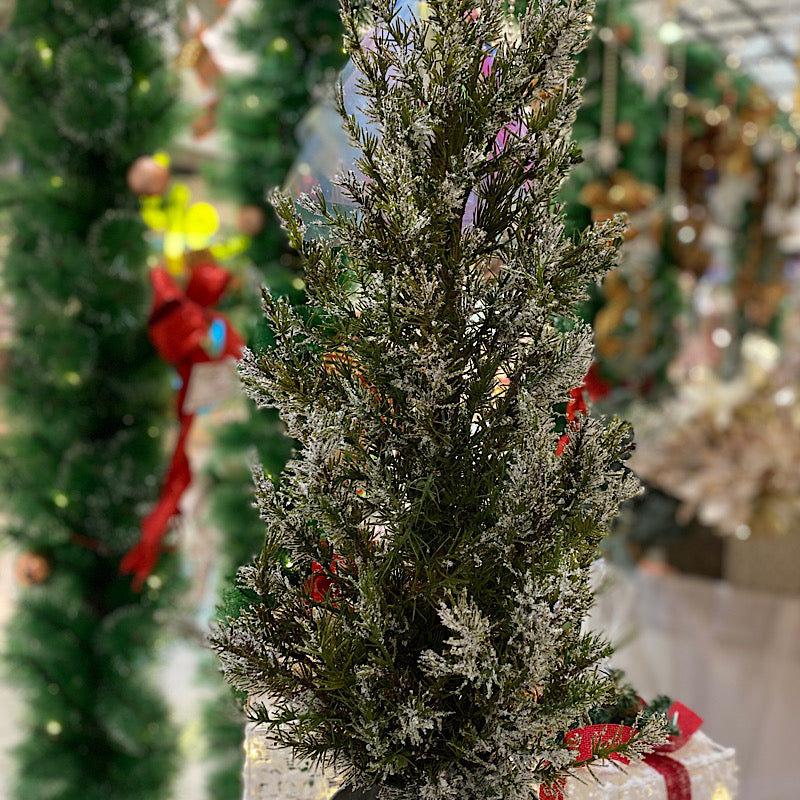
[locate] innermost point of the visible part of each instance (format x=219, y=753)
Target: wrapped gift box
x=711, y=769
x=270, y=772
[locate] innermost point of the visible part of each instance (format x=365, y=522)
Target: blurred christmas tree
x=296, y=47
x=85, y=395
x=620, y=128
x=415, y=615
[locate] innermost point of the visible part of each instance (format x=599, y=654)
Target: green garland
x=85, y=396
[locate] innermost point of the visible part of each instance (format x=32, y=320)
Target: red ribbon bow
x=676, y=777
x=596, y=387
x=178, y=326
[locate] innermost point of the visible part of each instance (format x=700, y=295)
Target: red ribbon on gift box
x=179, y=326
x=676, y=777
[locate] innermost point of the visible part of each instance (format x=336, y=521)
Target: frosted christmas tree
x=415, y=618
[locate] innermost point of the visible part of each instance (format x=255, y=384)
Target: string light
x=60, y=499
x=670, y=33
x=45, y=52
x=733, y=61
x=721, y=793
x=742, y=533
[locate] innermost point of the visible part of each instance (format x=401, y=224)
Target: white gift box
x=711, y=768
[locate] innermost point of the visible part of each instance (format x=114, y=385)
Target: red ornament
x=593, y=385
x=577, y=403
x=146, y=176
x=320, y=585
x=563, y=441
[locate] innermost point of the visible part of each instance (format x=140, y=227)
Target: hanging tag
x=211, y=383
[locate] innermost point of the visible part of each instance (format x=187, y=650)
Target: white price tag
x=210, y=384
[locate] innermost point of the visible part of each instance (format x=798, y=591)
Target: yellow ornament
x=230, y=247
x=200, y=224
x=183, y=225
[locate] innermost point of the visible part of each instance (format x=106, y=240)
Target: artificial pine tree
x=85, y=395
x=415, y=616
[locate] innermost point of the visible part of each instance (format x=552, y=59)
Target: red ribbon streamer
x=178, y=325
x=676, y=776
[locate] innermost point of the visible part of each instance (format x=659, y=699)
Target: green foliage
x=84, y=393
x=425, y=571
x=627, y=708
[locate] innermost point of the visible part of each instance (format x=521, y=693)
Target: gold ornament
x=148, y=176
x=251, y=220
x=32, y=569
x=625, y=132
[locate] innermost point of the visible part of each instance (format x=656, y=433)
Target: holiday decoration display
x=706, y=189
x=731, y=142
x=199, y=342
x=414, y=618
x=619, y=128
x=722, y=432
x=85, y=398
